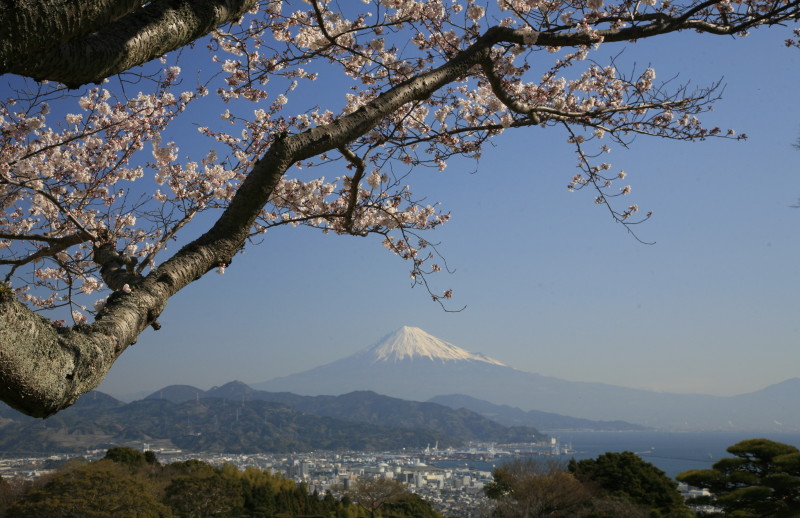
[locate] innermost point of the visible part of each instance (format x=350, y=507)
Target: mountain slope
x=413, y=343
x=177, y=393
x=208, y=425
x=396, y=367
x=547, y=421
x=369, y=407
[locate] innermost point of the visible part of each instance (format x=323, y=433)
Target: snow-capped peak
x=413, y=342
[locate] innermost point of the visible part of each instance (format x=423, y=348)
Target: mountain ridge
x=374, y=409
x=205, y=425
x=418, y=378
x=545, y=421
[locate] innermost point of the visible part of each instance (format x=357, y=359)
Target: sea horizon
x=671, y=452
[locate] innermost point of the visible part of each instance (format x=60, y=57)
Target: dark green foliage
x=212, y=494
x=368, y=407
x=531, y=489
x=409, y=505
x=504, y=483
x=124, y=487
x=762, y=480
x=61, y=463
x=126, y=456
x=236, y=418
x=626, y=475
x=210, y=425
x=372, y=408
x=95, y=490
x=150, y=457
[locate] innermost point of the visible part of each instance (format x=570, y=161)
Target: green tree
x=97, y=490
x=626, y=475
x=530, y=489
x=260, y=489
x=761, y=480
x=203, y=493
x=150, y=458
x=508, y=477
x=409, y=504
x=346, y=508
x=126, y=456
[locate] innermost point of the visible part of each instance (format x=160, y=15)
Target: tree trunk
x=87, y=41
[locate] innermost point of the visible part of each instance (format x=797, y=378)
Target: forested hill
x=369, y=407
x=460, y=416
x=208, y=425
x=236, y=418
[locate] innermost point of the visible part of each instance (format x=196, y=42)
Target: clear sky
x=551, y=284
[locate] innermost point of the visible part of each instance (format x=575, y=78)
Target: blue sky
x=551, y=284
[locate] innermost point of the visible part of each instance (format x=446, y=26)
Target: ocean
x=672, y=452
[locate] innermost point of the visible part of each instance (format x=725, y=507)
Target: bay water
x=672, y=452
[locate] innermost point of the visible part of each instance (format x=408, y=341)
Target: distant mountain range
x=238, y=419
x=411, y=364
x=548, y=421
x=204, y=425
x=457, y=425
x=437, y=392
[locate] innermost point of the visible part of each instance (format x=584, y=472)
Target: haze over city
x=549, y=283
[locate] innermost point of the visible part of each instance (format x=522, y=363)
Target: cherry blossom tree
x=92, y=190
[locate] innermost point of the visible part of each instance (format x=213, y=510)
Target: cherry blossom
x=322, y=111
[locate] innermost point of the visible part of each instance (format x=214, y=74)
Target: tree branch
x=360, y=166
x=57, y=244
x=121, y=42
x=44, y=368
x=78, y=359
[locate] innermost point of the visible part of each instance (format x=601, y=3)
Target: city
x=451, y=480
x=456, y=490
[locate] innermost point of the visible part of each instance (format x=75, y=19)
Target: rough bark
x=39, y=25
x=87, y=41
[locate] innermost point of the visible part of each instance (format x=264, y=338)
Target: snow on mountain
x=412, y=342
x=411, y=364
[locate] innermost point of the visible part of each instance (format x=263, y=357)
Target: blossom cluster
x=66, y=187
x=69, y=186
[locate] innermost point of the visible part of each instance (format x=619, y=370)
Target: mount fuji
x=412, y=364
x=409, y=364
x=413, y=343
